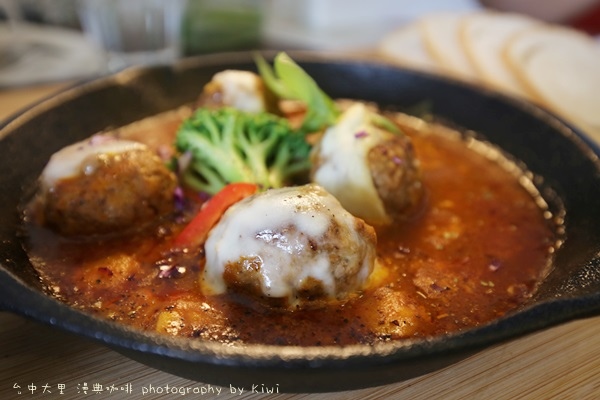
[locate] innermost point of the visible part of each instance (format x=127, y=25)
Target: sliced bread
x=440, y=33
x=561, y=68
x=484, y=36
x=405, y=46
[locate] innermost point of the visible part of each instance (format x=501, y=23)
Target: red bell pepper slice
x=196, y=232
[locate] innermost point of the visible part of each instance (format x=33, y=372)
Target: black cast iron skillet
x=564, y=163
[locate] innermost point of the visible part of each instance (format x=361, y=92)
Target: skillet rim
x=113, y=334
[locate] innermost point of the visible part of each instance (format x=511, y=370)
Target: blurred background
x=63, y=39
x=50, y=42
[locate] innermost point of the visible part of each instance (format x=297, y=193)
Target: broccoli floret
x=228, y=145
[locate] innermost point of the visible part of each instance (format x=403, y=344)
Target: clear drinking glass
x=134, y=32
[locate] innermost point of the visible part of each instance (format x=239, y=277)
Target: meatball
x=371, y=171
x=395, y=174
x=105, y=185
x=243, y=90
x=296, y=245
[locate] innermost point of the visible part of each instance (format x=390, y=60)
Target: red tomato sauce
x=475, y=251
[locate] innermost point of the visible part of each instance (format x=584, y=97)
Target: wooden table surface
x=40, y=362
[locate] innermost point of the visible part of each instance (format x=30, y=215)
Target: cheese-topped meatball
x=105, y=185
x=243, y=90
x=294, y=244
x=373, y=172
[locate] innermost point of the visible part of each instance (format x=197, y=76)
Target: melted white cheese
x=344, y=170
x=241, y=90
x=67, y=162
x=277, y=227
